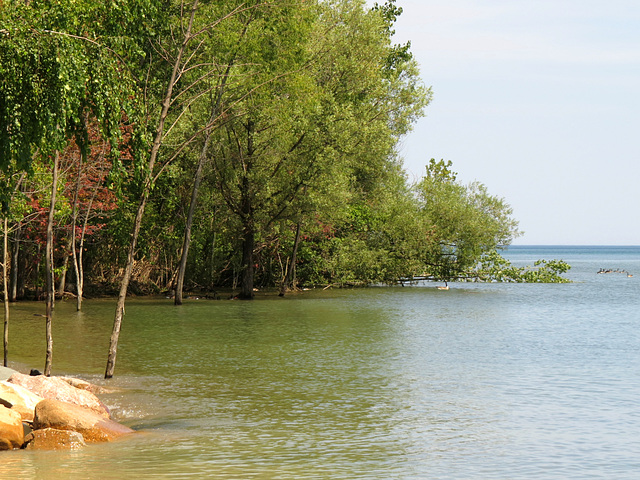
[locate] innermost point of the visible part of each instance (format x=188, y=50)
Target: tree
x=54, y=70
x=181, y=58
x=90, y=200
x=467, y=222
x=332, y=118
x=214, y=112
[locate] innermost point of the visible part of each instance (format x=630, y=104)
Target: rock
x=56, y=388
x=51, y=413
x=53, y=439
x=6, y=372
x=83, y=385
x=19, y=399
x=11, y=431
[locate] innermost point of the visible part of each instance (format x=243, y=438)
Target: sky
x=538, y=100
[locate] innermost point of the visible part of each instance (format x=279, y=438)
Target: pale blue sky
x=540, y=101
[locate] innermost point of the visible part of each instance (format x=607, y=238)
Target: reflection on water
x=482, y=381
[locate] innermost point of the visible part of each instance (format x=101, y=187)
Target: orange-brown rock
x=19, y=399
x=11, y=431
x=94, y=427
x=84, y=385
x=56, y=388
x=53, y=439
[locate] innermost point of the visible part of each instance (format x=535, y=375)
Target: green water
x=495, y=381
x=288, y=387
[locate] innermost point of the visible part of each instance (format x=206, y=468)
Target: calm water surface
x=487, y=381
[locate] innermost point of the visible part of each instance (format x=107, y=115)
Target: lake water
x=484, y=381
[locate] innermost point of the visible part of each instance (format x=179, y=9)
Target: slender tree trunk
x=5, y=263
x=157, y=141
x=74, y=255
x=248, y=268
x=50, y=294
x=38, y=267
x=77, y=255
x=187, y=228
x=62, y=281
x=248, y=225
x=124, y=285
x=13, y=279
x=196, y=186
x=290, y=275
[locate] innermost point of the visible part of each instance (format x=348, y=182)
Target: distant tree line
x=156, y=145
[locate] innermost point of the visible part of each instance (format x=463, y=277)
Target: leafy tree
x=181, y=79
x=466, y=220
x=300, y=144
x=53, y=70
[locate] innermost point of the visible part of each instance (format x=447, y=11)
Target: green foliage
x=495, y=268
x=467, y=221
x=297, y=109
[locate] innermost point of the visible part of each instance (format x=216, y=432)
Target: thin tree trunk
x=187, y=228
x=78, y=258
x=75, y=255
x=124, y=285
x=38, y=267
x=196, y=186
x=248, y=226
x=62, y=281
x=290, y=275
x=5, y=263
x=13, y=279
x=248, y=268
x=50, y=294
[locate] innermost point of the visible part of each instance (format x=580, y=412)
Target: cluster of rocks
x=38, y=412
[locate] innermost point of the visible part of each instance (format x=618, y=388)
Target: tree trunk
x=5, y=263
x=77, y=255
x=50, y=294
x=157, y=141
x=215, y=108
x=37, y=273
x=187, y=228
x=124, y=285
x=13, y=279
x=62, y=281
x=248, y=268
x=248, y=226
x=290, y=275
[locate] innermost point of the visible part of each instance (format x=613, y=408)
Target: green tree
x=467, y=222
x=59, y=61
x=299, y=145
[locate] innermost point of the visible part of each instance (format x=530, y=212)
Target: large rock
x=56, y=388
x=6, y=372
x=84, y=385
x=11, y=431
x=19, y=399
x=94, y=427
x=52, y=439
